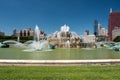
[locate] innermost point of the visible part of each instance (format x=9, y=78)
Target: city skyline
x=50, y=15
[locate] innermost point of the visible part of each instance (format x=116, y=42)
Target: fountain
x=67, y=44
x=64, y=38
x=33, y=45
x=36, y=41
x=15, y=43
x=61, y=39
x=37, y=44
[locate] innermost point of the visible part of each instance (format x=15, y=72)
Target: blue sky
x=50, y=15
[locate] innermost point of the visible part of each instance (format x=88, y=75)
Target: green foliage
x=4, y=38
x=22, y=39
x=100, y=38
x=60, y=72
x=117, y=39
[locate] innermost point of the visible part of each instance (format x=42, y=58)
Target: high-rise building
x=95, y=27
x=14, y=32
x=104, y=32
x=114, y=21
x=99, y=30
x=2, y=33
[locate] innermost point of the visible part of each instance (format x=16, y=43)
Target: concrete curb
x=58, y=62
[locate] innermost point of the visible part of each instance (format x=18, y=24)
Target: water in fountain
x=64, y=37
x=64, y=30
x=67, y=44
x=14, y=43
x=37, y=44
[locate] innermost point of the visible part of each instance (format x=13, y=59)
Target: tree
x=117, y=39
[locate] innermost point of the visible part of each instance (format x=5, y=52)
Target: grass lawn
x=60, y=72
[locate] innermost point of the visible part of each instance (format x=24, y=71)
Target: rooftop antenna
x=110, y=10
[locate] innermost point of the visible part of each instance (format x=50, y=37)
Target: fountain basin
x=58, y=54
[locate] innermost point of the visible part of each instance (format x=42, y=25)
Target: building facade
x=25, y=32
x=114, y=21
x=104, y=32
x=28, y=32
x=2, y=33
x=89, y=38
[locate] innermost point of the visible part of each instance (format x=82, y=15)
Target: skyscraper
x=114, y=21
x=95, y=27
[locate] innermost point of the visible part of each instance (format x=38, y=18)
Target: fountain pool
x=59, y=54
x=38, y=50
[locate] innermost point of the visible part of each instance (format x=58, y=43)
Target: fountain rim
x=13, y=62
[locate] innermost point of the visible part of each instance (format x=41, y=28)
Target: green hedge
x=22, y=39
